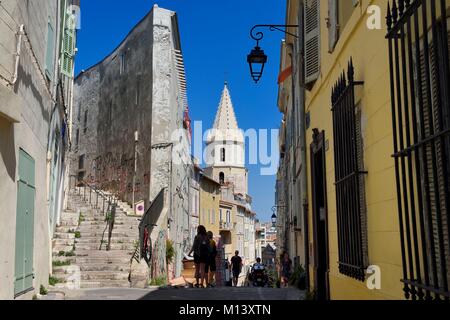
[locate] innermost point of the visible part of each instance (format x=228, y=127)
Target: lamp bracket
x=258, y=36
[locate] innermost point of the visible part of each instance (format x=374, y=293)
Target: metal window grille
x=419, y=75
x=349, y=178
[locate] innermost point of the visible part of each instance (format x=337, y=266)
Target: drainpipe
x=18, y=50
x=303, y=175
x=136, y=140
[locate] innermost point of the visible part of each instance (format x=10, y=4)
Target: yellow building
x=377, y=147
x=209, y=204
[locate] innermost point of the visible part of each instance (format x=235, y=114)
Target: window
x=123, y=63
x=49, y=64
x=110, y=112
x=312, y=41
x=138, y=90
x=213, y=216
x=79, y=112
x=220, y=216
x=222, y=155
x=350, y=174
x=85, y=121
x=422, y=146
x=81, y=162
x=222, y=178
x=228, y=216
x=78, y=138
x=339, y=13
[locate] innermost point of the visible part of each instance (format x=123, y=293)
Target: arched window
x=222, y=154
x=222, y=178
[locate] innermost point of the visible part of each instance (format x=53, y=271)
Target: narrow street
x=223, y=293
x=299, y=143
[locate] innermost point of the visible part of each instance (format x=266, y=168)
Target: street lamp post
x=257, y=59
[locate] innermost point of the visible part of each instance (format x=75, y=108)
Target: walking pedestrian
x=200, y=250
x=211, y=264
x=236, y=267
x=286, y=267
x=228, y=279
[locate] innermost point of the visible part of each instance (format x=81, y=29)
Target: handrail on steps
x=108, y=207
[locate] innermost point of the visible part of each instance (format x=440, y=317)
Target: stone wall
x=137, y=88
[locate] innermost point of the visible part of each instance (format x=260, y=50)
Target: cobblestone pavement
x=224, y=293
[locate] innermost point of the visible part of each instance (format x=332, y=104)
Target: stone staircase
x=80, y=242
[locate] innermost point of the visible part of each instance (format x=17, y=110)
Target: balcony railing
x=226, y=226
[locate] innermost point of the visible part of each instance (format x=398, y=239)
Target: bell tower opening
x=222, y=155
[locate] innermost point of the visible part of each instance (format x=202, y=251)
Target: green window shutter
x=68, y=48
x=23, y=277
x=50, y=51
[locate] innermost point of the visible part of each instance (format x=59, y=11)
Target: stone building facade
x=131, y=137
x=36, y=76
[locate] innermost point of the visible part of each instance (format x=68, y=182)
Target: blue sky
x=215, y=41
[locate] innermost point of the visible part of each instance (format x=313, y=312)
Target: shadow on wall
x=26, y=79
x=7, y=147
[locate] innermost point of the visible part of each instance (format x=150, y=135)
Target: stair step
x=64, y=259
x=66, y=270
x=103, y=253
x=102, y=223
x=63, y=242
x=89, y=240
x=102, y=227
x=121, y=266
x=113, y=247
x=105, y=284
x=66, y=229
x=104, y=275
x=68, y=223
x=92, y=260
x=63, y=235
x=115, y=233
x=58, y=248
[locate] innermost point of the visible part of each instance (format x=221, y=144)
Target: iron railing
x=420, y=99
x=99, y=200
x=349, y=178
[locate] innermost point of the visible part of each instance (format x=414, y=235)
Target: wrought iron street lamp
x=274, y=220
x=274, y=216
x=257, y=59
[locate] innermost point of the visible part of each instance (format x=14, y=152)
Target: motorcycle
x=259, y=276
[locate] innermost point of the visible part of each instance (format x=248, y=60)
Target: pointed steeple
x=225, y=126
x=225, y=117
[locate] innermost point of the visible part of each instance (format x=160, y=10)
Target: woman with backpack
x=201, y=253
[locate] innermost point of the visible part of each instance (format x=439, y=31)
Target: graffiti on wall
x=159, y=255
